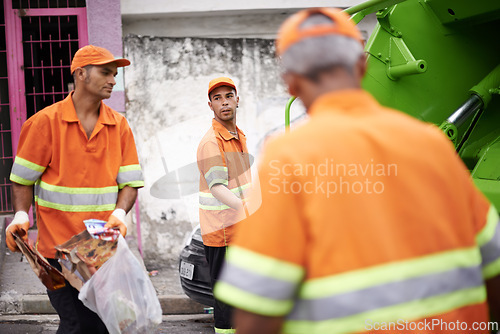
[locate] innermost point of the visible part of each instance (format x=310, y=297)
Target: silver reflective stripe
x=129, y=176
x=25, y=172
x=215, y=175
x=385, y=295
x=491, y=250
x=210, y=201
x=238, y=191
x=77, y=199
x=254, y=283
x=207, y=201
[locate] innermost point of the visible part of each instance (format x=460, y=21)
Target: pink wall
x=105, y=30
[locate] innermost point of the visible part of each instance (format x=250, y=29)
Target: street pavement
x=25, y=307
x=47, y=324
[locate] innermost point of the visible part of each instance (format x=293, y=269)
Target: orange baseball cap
x=95, y=55
x=217, y=82
x=291, y=33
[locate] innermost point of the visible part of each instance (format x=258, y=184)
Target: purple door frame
x=15, y=72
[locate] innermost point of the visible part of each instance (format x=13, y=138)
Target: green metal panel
x=434, y=58
x=426, y=58
x=461, y=13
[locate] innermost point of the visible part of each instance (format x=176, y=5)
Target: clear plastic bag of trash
x=122, y=294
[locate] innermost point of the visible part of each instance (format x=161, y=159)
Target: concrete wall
x=167, y=107
x=264, y=25
x=249, y=25
x=155, y=8
x=174, y=55
x=105, y=30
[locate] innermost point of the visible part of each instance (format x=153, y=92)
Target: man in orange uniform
x=81, y=157
x=369, y=220
x=224, y=175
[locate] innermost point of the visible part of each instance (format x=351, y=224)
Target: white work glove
x=20, y=225
x=117, y=219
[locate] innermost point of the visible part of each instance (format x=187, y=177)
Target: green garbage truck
x=439, y=61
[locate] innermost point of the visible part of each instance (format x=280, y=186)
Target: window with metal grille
x=6, y=158
x=27, y=4
x=49, y=43
x=38, y=39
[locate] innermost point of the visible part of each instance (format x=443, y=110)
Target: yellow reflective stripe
x=133, y=184
x=222, y=206
x=240, y=189
x=75, y=208
x=250, y=302
x=260, y=285
x=20, y=180
x=233, y=190
x=129, y=168
x=488, y=230
x=402, y=270
x=264, y=265
x=409, y=311
x=71, y=190
x=29, y=164
x=492, y=269
x=215, y=169
x=31, y=173
x=216, y=174
x=224, y=331
x=214, y=207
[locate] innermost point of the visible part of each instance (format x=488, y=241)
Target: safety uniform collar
x=343, y=101
x=224, y=132
x=69, y=112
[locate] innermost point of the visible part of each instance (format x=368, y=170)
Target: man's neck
x=229, y=125
x=329, y=87
x=84, y=106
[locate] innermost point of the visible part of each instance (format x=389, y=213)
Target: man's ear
x=292, y=82
x=80, y=73
x=360, y=68
x=210, y=105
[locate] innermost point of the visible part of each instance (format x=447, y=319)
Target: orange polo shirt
x=369, y=222
x=75, y=177
x=222, y=159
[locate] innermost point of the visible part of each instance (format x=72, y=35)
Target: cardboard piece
x=52, y=278
x=80, y=252
x=75, y=257
x=71, y=275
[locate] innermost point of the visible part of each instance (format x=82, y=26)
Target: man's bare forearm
x=126, y=198
x=22, y=197
x=493, y=289
x=251, y=323
x=223, y=194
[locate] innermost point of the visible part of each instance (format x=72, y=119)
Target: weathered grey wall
x=104, y=15
x=242, y=25
x=166, y=89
